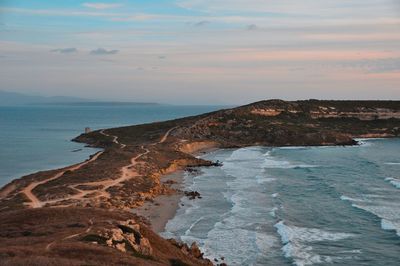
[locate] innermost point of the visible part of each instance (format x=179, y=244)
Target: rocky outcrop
x=193, y=250
x=192, y=195
x=125, y=237
x=365, y=114
x=197, y=146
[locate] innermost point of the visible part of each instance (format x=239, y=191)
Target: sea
x=296, y=206
x=38, y=137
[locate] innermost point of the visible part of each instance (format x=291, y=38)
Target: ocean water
x=296, y=206
x=34, y=138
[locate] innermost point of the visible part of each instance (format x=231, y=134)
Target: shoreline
x=43, y=167
x=139, y=174
x=163, y=207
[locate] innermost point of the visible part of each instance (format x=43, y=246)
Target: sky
x=201, y=51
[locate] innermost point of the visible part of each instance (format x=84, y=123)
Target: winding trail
x=114, y=138
x=35, y=202
x=166, y=135
x=87, y=230
x=127, y=173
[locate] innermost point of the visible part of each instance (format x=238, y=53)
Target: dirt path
x=114, y=138
x=35, y=202
x=71, y=236
x=166, y=135
x=127, y=173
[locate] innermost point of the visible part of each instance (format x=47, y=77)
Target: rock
x=114, y=235
x=120, y=247
x=129, y=226
x=128, y=233
x=195, y=251
x=217, y=163
x=192, y=194
x=145, y=247
x=185, y=249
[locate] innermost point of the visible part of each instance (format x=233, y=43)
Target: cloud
x=70, y=50
x=201, y=23
x=102, y=51
x=57, y=12
x=379, y=65
x=101, y=5
x=251, y=27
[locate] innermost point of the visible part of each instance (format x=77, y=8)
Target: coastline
x=140, y=169
x=163, y=207
x=85, y=153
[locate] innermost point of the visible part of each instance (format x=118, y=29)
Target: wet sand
x=164, y=207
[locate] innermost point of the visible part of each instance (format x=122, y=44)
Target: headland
x=98, y=208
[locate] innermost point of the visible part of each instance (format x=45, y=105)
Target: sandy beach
x=164, y=207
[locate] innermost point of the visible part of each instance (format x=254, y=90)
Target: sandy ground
x=164, y=207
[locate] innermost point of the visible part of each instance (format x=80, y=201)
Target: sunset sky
x=201, y=51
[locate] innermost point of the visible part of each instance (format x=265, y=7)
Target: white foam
x=294, y=148
x=367, y=139
x=295, y=240
x=253, y=245
x=345, y=198
x=391, y=163
x=387, y=211
x=273, y=212
x=273, y=163
x=395, y=182
x=275, y=195
x=187, y=232
x=353, y=251
x=387, y=225
x=261, y=180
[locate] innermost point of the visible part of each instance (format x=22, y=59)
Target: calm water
x=301, y=206
x=36, y=138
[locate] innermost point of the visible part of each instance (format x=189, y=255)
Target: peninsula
x=86, y=214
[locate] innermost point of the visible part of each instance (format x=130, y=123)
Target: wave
x=387, y=225
x=253, y=244
x=261, y=180
x=395, y=182
x=387, y=211
x=296, y=240
x=294, y=148
x=390, y=218
x=345, y=198
x=187, y=232
x=391, y=163
x=273, y=163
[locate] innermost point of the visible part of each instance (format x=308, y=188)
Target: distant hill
x=17, y=99
x=14, y=98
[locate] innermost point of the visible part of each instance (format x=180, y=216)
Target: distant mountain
x=15, y=99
